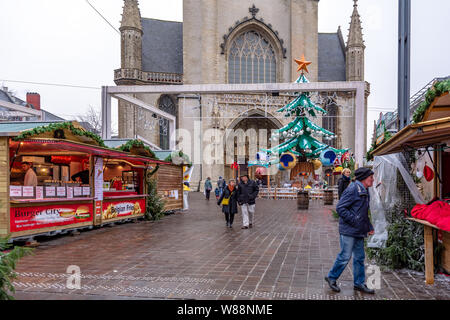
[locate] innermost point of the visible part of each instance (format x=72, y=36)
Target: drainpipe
x=199, y=98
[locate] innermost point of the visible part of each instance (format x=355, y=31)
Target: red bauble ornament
x=428, y=173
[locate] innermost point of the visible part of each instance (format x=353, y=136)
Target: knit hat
x=363, y=173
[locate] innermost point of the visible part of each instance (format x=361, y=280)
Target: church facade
x=235, y=42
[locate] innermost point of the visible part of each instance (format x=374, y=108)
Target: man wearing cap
x=246, y=195
x=354, y=226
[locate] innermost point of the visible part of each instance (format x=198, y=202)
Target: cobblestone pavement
x=192, y=255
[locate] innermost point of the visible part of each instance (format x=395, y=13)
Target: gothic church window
x=166, y=104
x=251, y=59
x=329, y=122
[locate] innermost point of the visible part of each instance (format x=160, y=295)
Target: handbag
x=226, y=201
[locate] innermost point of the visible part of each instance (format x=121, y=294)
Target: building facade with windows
x=235, y=42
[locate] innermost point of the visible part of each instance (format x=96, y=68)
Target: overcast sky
x=67, y=42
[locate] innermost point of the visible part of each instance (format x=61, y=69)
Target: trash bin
x=302, y=200
x=328, y=197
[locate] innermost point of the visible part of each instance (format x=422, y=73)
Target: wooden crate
x=170, y=177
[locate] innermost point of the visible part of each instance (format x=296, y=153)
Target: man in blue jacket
x=354, y=226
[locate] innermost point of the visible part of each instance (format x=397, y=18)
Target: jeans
x=350, y=245
x=247, y=214
x=208, y=192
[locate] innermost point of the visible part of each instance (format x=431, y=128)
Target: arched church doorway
x=246, y=137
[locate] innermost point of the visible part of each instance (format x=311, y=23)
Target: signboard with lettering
x=36, y=217
x=115, y=209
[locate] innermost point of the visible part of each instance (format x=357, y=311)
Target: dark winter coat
x=247, y=192
x=343, y=183
x=232, y=207
x=353, y=210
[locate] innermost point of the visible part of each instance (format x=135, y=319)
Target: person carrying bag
x=228, y=200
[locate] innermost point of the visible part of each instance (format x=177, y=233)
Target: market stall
x=59, y=177
x=431, y=136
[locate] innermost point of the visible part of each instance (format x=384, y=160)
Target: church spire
x=131, y=36
x=355, y=48
x=355, y=36
x=131, y=16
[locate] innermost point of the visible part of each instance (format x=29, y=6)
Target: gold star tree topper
x=303, y=64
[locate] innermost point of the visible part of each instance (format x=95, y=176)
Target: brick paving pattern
x=192, y=255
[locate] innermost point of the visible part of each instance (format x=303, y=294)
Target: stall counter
x=120, y=207
x=33, y=216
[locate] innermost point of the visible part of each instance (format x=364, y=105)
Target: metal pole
x=106, y=114
x=404, y=62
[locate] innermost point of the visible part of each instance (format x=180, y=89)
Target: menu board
x=39, y=192
x=15, y=191
x=86, y=191
x=70, y=192
x=28, y=192
x=61, y=192
x=77, y=192
x=50, y=192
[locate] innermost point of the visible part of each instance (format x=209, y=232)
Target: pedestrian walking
x=217, y=193
x=344, y=181
x=228, y=200
x=208, y=187
x=354, y=225
x=247, y=193
x=221, y=184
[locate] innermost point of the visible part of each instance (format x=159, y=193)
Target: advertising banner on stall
x=36, y=217
x=98, y=178
x=115, y=209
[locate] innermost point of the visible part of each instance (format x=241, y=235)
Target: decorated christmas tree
x=300, y=136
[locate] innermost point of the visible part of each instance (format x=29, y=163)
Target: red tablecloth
x=437, y=213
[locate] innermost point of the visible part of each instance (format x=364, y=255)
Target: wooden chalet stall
x=169, y=179
x=75, y=186
x=169, y=176
x=433, y=133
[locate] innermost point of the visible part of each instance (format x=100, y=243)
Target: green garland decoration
x=438, y=89
x=186, y=161
x=387, y=137
x=60, y=126
x=136, y=144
